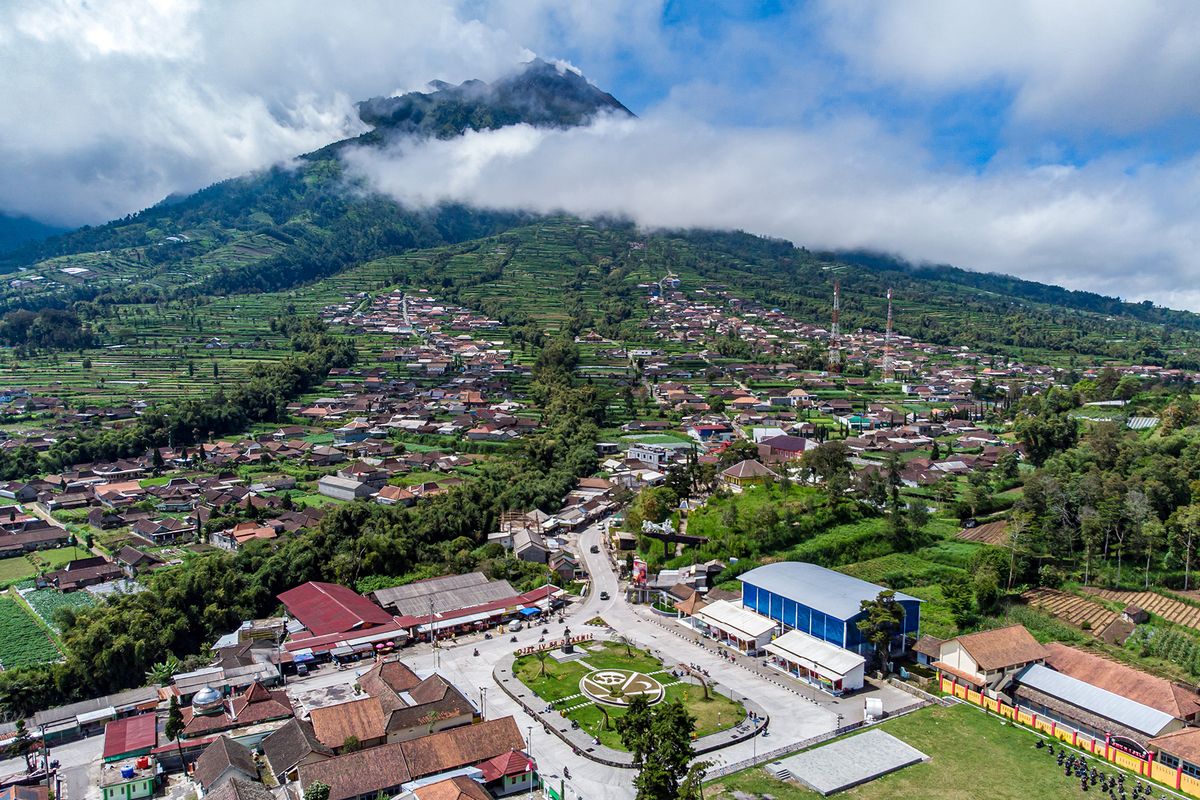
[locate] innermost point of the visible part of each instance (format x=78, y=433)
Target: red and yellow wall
x=1100, y=748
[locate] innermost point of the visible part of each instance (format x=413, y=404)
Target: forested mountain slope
x=293, y=224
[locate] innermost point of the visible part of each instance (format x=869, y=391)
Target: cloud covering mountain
x=1053, y=141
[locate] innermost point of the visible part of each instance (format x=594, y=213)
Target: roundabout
x=617, y=687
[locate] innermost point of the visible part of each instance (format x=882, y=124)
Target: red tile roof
x=326, y=608
x=130, y=734
x=514, y=762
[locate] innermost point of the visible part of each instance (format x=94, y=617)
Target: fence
x=1096, y=746
x=794, y=747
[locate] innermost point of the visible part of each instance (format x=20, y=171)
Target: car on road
x=595, y=548
x=514, y=626
x=604, y=595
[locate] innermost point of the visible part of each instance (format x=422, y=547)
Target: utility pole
x=889, y=367
x=529, y=754
x=835, y=330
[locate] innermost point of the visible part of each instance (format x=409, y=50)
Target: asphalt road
x=793, y=718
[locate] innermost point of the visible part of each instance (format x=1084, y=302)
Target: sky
x=1050, y=139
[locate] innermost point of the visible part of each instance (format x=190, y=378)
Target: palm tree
x=541, y=656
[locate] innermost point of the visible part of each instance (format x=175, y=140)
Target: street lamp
x=483, y=701
x=529, y=755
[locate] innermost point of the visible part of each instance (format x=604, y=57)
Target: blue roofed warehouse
x=822, y=603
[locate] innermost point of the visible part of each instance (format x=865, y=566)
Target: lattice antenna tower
x=835, y=330
x=889, y=361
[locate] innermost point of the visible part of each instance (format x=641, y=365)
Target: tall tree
x=660, y=740
x=174, y=727
x=885, y=617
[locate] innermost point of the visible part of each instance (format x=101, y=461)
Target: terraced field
x=993, y=533
x=1071, y=608
x=1168, y=608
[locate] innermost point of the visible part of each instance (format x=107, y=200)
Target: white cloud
x=1108, y=227
x=1072, y=64
x=110, y=105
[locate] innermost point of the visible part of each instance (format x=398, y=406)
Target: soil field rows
x=1168, y=608
x=1071, y=608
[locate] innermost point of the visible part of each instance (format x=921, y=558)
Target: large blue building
x=821, y=603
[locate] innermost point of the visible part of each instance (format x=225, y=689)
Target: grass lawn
x=562, y=680
x=14, y=569
x=58, y=557
x=971, y=756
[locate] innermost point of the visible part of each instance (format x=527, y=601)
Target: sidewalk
x=581, y=741
x=850, y=708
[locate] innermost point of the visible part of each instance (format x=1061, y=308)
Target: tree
x=316, y=791
x=692, y=787
x=351, y=744
x=660, y=740
x=22, y=746
x=829, y=461
x=162, y=672
x=885, y=617
x=960, y=600
x=174, y=727
x=541, y=656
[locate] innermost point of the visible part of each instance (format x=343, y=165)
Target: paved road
x=794, y=717
x=80, y=766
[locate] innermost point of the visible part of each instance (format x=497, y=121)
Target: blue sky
x=1052, y=140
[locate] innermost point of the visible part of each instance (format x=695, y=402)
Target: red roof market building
x=130, y=736
x=445, y=622
x=326, y=608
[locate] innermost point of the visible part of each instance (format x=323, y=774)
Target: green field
x=19, y=568
x=972, y=755
x=22, y=640
x=47, y=602
x=714, y=713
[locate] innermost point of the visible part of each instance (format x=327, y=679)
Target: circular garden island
x=595, y=689
x=616, y=687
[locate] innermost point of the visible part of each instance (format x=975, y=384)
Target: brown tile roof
x=459, y=747
x=391, y=674
x=1149, y=690
x=965, y=677
x=254, y=705
x=434, y=699
x=928, y=646
x=748, y=469
x=364, y=772
x=457, y=788
x=220, y=756
x=1183, y=743
x=691, y=605
x=291, y=744
x=363, y=719
x=240, y=789
x=1002, y=647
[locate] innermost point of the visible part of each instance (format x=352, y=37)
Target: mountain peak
x=541, y=93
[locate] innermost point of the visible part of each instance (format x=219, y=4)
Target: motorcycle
x=487, y=636
x=513, y=639
x=566, y=773
x=476, y=651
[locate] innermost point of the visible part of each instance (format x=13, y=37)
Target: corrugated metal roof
x=395, y=594
x=826, y=658
x=448, y=598
x=734, y=618
x=1099, y=701
x=823, y=589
